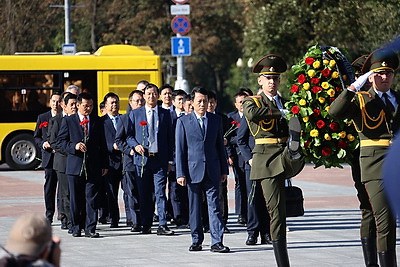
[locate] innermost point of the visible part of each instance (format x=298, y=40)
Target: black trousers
x=50, y=189
x=112, y=180
x=63, y=198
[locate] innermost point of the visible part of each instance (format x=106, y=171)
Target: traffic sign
x=180, y=25
x=69, y=49
x=180, y=1
x=180, y=9
x=181, y=46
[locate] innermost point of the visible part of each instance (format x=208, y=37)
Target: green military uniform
x=272, y=163
x=376, y=127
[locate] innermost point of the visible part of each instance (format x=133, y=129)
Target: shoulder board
x=256, y=99
x=364, y=94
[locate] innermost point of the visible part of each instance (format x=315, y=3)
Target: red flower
x=234, y=122
x=143, y=123
x=326, y=151
x=320, y=124
x=238, y=124
x=317, y=112
x=309, y=60
x=295, y=110
x=43, y=124
x=301, y=79
x=295, y=88
x=334, y=126
x=326, y=72
x=338, y=89
x=332, y=99
x=342, y=144
x=316, y=89
x=307, y=144
x=315, y=80
x=84, y=122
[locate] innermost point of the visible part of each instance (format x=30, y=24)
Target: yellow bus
x=28, y=80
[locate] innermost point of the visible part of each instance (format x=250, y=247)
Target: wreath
x=316, y=82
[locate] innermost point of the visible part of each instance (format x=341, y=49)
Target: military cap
x=270, y=65
x=358, y=64
x=381, y=60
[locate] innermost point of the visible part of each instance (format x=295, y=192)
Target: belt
x=375, y=142
x=280, y=140
x=152, y=154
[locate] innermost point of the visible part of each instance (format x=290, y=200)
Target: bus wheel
x=22, y=153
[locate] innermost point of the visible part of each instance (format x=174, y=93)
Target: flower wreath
x=317, y=82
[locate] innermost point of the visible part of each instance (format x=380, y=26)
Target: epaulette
x=363, y=93
x=256, y=100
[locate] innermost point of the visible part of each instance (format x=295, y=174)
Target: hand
x=225, y=141
x=139, y=149
x=250, y=161
x=359, y=83
x=223, y=178
x=230, y=161
x=54, y=252
x=181, y=181
x=104, y=172
x=132, y=152
x=115, y=146
x=81, y=147
x=46, y=145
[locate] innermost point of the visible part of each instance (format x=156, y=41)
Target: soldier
x=276, y=154
x=376, y=118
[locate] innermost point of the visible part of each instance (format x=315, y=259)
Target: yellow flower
x=305, y=119
x=321, y=99
x=327, y=137
x=311, y=73
x=350, y=137
x=331, y=92
x=332, y=63
x=316, y=64
x=327, y=108
x=342, y=134
x=314, y=133
x=306, y=86
x=302, y=102
x=326, y=62
x=335, y=75
x=325, y=85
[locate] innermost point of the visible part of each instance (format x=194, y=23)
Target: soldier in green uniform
x=376, y=119
x=367, y=227
x=273, y=160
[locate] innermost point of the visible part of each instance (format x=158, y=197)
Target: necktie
x=85, y=126
x=277, y=102
x=389, y=104
x=152, y=127
x=201, y=122
x=115, y=122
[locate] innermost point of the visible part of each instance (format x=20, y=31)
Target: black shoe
x=206, y=229
x=266, y=239
x=251, y=240
x=294, y=135
x=92, y=235
x=178, y=221
x=114, y=225
x=103, y=220
x=64, y=226
x=129, y=223
x=136, y=228
x=218, y=247
x=155, y=218
x=195, y=247
x=241, y=220
x=164, y=230
x=226, y=230
x=77, y=234
x=70, y=231
x=146, y=230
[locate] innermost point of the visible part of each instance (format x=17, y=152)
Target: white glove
x=359, y=83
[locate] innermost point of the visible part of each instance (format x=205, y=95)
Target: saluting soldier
x=376, y=117
x=273, y=160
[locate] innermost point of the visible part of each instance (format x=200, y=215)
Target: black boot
x=387, y=259
x=280, y=251
x=369, y=251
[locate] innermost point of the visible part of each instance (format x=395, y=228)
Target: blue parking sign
x=181, y=46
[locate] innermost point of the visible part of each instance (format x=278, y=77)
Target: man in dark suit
x=68, y=104
x=114, y=174
x=376, y=117
x=50, y=175
x=82, y=136
x=151, y=138
x=129, y=180
x=201, y=164
x=235, y=159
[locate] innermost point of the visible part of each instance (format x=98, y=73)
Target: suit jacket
x=71, y=133
x=232, y=146
x=124, y=124
x=347, y=105
x=60, y=156
x=138, y=135
x=40, y=136
x=114, y=156
x=245, y=140
x=197, y=154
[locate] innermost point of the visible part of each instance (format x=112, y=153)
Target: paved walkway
x=327, y=235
